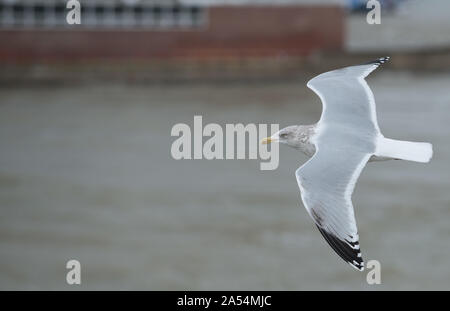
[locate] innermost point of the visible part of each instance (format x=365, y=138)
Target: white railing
x=100, y=14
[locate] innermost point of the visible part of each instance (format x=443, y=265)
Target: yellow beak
x=266, y=141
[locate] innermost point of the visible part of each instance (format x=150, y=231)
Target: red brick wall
x=232, y=32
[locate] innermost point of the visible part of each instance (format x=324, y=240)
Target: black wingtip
x=379, y=61
x=349, y=251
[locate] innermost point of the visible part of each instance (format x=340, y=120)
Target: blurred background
x=85, y=168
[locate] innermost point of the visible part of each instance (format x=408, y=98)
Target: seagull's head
x=288, y=136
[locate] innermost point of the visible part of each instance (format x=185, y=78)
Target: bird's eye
x=284, y=135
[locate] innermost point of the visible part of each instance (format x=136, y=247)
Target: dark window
x=60, y=9
x=17, y=8
x=99, y=10
x=119, y=9
x=157, y=10
x=138, y=10
x=18, y=14
x=176, y=10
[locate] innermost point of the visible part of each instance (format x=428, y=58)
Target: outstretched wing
x=346, y=96
x=345, y=140
x=326, y=184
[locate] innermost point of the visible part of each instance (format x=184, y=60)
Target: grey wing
x=326, y=184
x=345, y=139
x=347, y=98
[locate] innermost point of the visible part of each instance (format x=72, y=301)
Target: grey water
x=86, y=174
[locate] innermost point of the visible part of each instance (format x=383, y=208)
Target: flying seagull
x=346, y=137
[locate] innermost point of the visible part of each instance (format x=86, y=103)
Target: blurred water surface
x=86, y=174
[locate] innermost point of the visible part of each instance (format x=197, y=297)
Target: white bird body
x=346, y=137
x=386, y=149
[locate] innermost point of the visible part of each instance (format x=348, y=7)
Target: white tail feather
x=404, y=150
